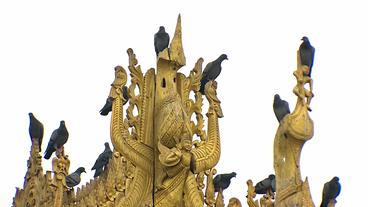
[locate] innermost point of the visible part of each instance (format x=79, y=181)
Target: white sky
x=57, y=60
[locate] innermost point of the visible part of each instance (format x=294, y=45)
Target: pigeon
x=102, y=160
x=74, y=178
x=161, y=40
x=222, y=181
x=280, y=107
x=35, y=129
x=331, y=190
x=306, y=51
x=108, y=105
x=58, y=138
x=211, y=71
x=267, y=184
x=125, y=94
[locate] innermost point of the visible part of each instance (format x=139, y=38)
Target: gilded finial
x=176, y=46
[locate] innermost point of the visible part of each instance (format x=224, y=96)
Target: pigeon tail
x=97, y=172
x=203, y=83
x=48, y=154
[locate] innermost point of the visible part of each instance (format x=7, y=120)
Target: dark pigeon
x=222, y=181
x=280, y=107
x=161, y=40
x=331, y=190
x=35, y=129
x=306, y=51
x=266, y=184
x=74, y=178
x=58, y=138
x=102, y=160
x=108, y=105
x=211, y=71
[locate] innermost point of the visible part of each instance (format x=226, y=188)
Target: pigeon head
x=233, y=174
x=62, y=129
x=30, y=114
x=81, y=170
x=305, y=39
x=271, y=177
x=223, y=57
x=107, y=146
x=162, y=29
x=335, y=179
x=276, y=97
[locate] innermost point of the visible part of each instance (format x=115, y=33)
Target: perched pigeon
x=280, y=107
x=35, y=129
x=306, y=51
x=102, y=160
x=58, y=138
x=74, y=178
x=331, y=190
x=211, y=71
x=108, y=105
x=161, y=40
x=222, y=181
x=266, y=184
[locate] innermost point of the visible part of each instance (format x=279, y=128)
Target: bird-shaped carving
x=74, y=178
x=211, y=71
x=107, y=108
x=35, y=129
x=280, y=107
x=222, y=181
x=161, y=40
x=306, y=51
x=102, y=160
x=58, y=138
x=266, y=184
x=331, y=190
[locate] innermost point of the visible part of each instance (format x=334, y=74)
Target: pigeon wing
x=51, y=145
x=217, y=182
x=72, y=179
x=102, y=160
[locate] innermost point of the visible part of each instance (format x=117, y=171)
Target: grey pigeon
x=266, y=184
x=161, y=40
x=211, y=71
x=35, y=129
x=306, y=51
x=108, y=105
x=102, y=161
x=280, y=107
x=331, y=190
x=74, y=178
x=222, y=181
x=58, y=138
